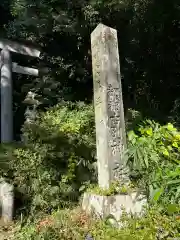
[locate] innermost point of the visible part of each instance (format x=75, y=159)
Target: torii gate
x=7, y=67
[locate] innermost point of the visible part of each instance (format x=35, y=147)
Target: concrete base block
x=103, y=206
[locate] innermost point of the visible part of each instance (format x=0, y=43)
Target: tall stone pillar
x=108, y=102
x=6, y=97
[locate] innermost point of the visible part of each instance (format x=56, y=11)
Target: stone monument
x=110, y=126
x=109, y=112
x=7, y=200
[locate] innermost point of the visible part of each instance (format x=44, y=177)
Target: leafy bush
x=154, y=157
x=116, y=187
x=56, y=157
x=132, y=119
x=75, y=224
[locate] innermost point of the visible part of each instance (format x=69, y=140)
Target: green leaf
x=146, y=160
x=170, y=127
x=169, y=148
x=177, y=195
x=149, y=131
x=131, y=136
x=177, y=181
x=139, y=158
x=173, y=208
x=157, y=194
x=82, y=188
x=175, y=144
x=165, y=152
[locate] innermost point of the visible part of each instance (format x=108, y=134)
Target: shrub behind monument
x=55, y=160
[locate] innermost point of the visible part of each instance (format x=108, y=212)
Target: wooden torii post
x=7, y=67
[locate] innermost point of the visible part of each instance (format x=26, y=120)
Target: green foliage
x=115, y=188
x=68, y=224
x=154, y=157
x=149, y=42
x=56, y=158
x=132, y=119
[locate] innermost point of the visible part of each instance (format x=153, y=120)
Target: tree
x=148, y=44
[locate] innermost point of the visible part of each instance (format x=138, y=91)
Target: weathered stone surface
x=109, y=113
x=103, y=206
x=19, y=48
x=7, y=200
x=24, y=70
x=6, y=98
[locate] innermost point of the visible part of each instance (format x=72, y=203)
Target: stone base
x=103, y=206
